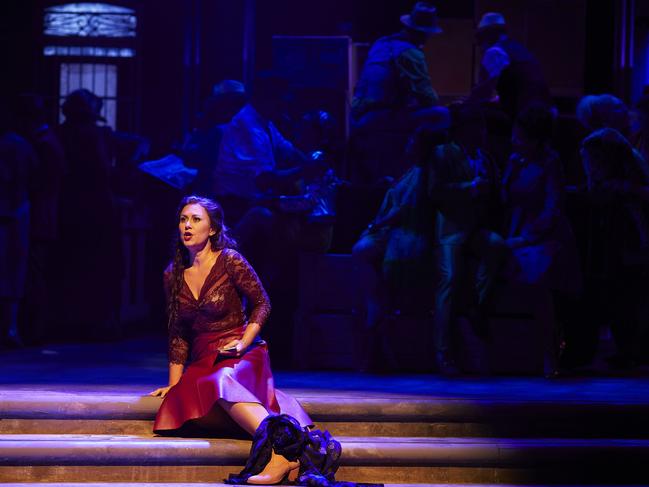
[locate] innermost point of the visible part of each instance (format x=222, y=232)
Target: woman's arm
x=247, y=282
x=252, y=330
x=175, y=373
x=178, y=347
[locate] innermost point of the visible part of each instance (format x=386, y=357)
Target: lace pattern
x=219, y=307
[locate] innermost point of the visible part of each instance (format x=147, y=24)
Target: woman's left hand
x=233, y=348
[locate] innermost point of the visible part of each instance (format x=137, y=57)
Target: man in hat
x=508, y=69
x=394, y=92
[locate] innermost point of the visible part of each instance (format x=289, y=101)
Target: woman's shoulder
x=231, y=255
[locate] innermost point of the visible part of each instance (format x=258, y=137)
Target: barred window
x=101, y=79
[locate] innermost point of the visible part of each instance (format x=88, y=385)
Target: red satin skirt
x=210, y=377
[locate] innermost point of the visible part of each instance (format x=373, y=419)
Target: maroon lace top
x=219, y=308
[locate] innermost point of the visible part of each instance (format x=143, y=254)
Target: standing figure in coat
x=463, y=184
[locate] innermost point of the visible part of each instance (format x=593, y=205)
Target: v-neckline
x=200, y=291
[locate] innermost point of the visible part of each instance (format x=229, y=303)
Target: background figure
x=90, y=228
x=462, y=183
x=507, y=69
x=254, y=157
x=258, y=172
x=394, y=91
x=18, y=165
x=543, y=251
x=619, y=247
x=598, y=111
x=393, y=249
x=201, y=148
x=45, y=191
x=640, y=137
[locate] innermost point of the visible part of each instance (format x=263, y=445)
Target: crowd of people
x=481, y=200
x=486, y=196
x=60, y=222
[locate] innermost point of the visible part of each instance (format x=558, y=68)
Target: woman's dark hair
x=220, y=240
x=537, y=121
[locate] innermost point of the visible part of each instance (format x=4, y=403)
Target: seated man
x=254, y=156
x=200, y=150
x=256, y=166
x=394, y=92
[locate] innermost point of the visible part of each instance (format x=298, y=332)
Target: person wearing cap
x=255, y=159
x=200, y=149
x=508, y=69
x=394, y=91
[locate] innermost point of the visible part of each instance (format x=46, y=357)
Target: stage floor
x=138, y=365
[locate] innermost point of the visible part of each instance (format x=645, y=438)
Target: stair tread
x=211, y=484
x=375, y=406
x=135, y=450
x=343, y=439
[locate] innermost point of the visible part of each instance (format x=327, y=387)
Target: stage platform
x=80, y=414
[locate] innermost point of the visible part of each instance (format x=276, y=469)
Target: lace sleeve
x=247, y=282
x=178, y=349
x=178, y=346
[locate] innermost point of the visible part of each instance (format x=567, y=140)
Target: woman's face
x=194, y=226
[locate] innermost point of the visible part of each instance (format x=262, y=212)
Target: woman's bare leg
x=248, y=415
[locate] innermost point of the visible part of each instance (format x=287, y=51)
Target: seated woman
x=618, y=257
x=228, y=373
x=543, y=250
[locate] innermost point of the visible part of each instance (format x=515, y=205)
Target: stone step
x=65, y=458
x=145, y=427
x=367, y=414
x=201, y=484
x=609, y=429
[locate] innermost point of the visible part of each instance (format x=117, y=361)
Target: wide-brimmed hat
x=82, y=104
x=422, y=18
x=491, y=20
